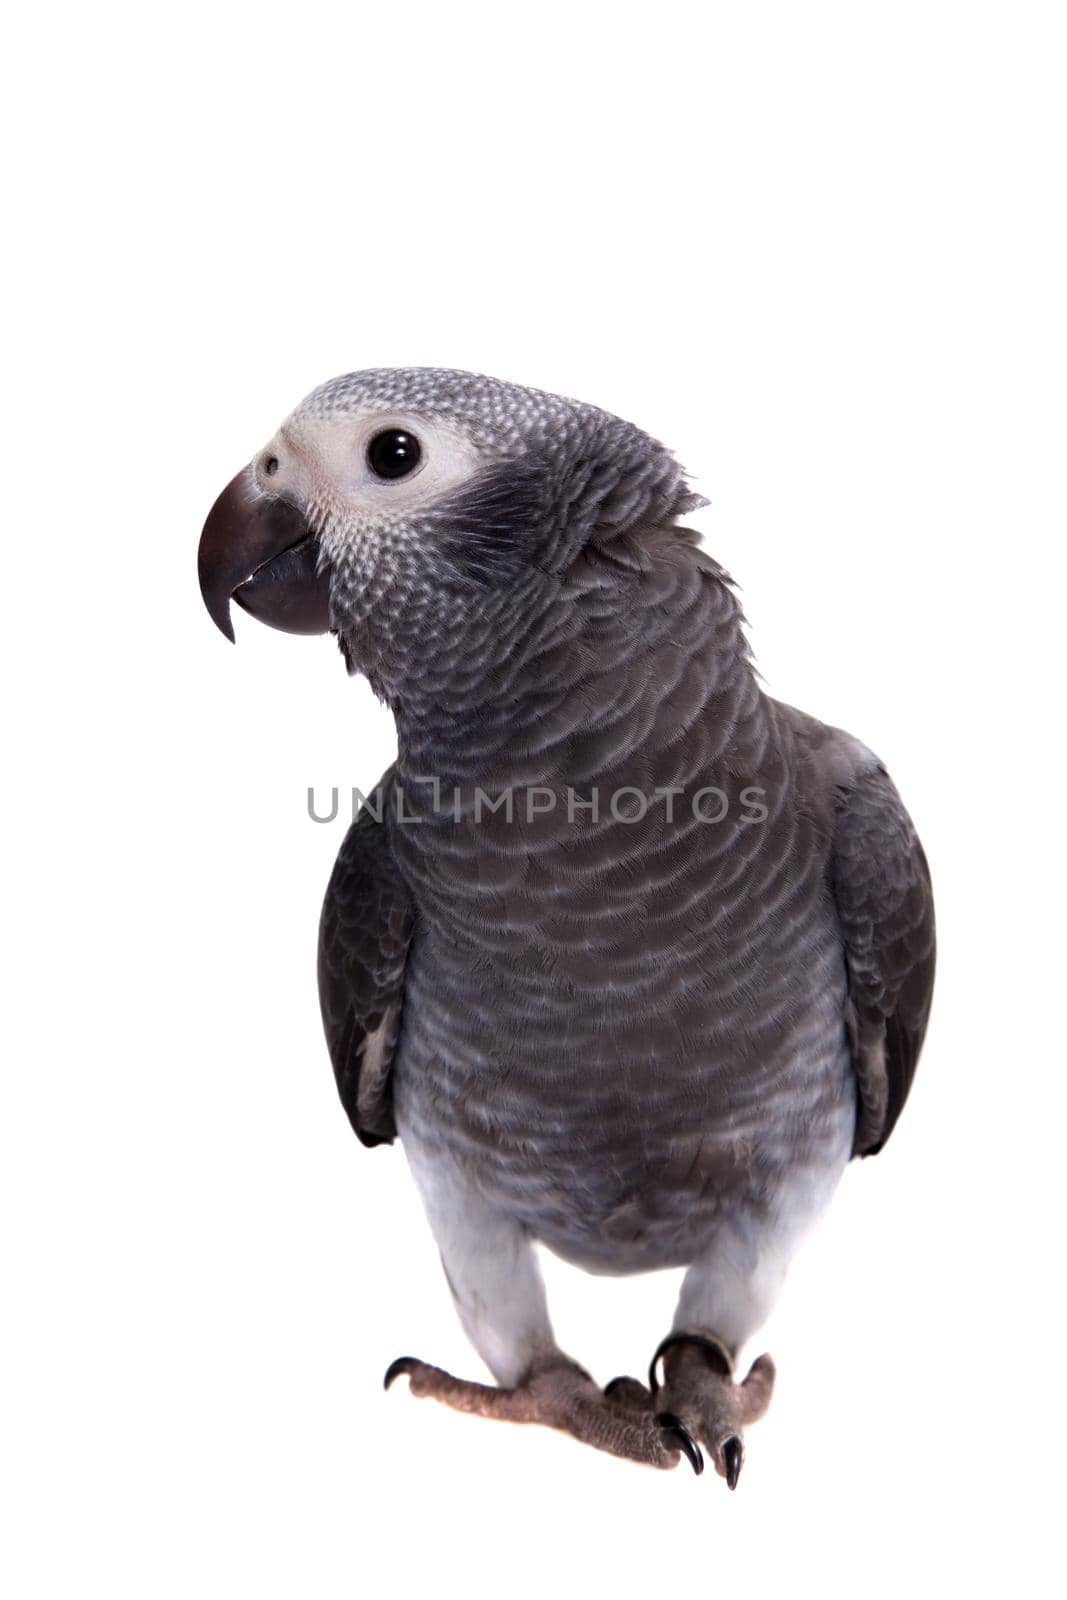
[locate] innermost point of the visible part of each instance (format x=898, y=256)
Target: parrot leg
x=497, y=1288
x=561, y=1396
x=726, y=1295
x=698, y=1386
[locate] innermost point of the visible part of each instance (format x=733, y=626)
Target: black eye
x=393, y=453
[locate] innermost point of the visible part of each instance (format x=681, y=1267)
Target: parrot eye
x=393, y=453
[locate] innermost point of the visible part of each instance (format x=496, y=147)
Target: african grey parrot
x=631, y=956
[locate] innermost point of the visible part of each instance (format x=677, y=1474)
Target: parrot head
x=396, y=506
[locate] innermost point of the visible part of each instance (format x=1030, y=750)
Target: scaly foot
x=562, y=1396
x=698, y=1387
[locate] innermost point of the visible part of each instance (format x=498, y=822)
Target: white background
x=819, y=249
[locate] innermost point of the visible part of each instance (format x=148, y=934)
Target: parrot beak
x=259, y=551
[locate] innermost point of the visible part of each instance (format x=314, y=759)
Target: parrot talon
x=733, y=1457
x=402, y=1364
x=676, y=1433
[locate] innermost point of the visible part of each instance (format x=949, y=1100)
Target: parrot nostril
x=270, y=466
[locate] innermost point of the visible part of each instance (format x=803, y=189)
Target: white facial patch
x=323, y=461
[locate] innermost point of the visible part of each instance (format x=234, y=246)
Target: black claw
x=395, y=1368
x=679, y=1435
x=614, y=1384
x=733, y=1455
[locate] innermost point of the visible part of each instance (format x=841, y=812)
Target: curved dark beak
x=260, y=552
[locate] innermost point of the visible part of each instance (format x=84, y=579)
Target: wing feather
x=881, y=887
x=364, y=934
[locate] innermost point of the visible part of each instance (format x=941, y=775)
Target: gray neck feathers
x=573, y=678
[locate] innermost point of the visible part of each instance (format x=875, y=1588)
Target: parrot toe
x=629, y=1392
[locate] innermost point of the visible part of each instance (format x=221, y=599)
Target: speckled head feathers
x=606, y=472
x=511, y=487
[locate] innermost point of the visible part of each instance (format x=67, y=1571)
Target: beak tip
x=218, y=609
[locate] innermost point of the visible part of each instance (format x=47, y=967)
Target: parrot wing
x=364, y=934
x=881, y=887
